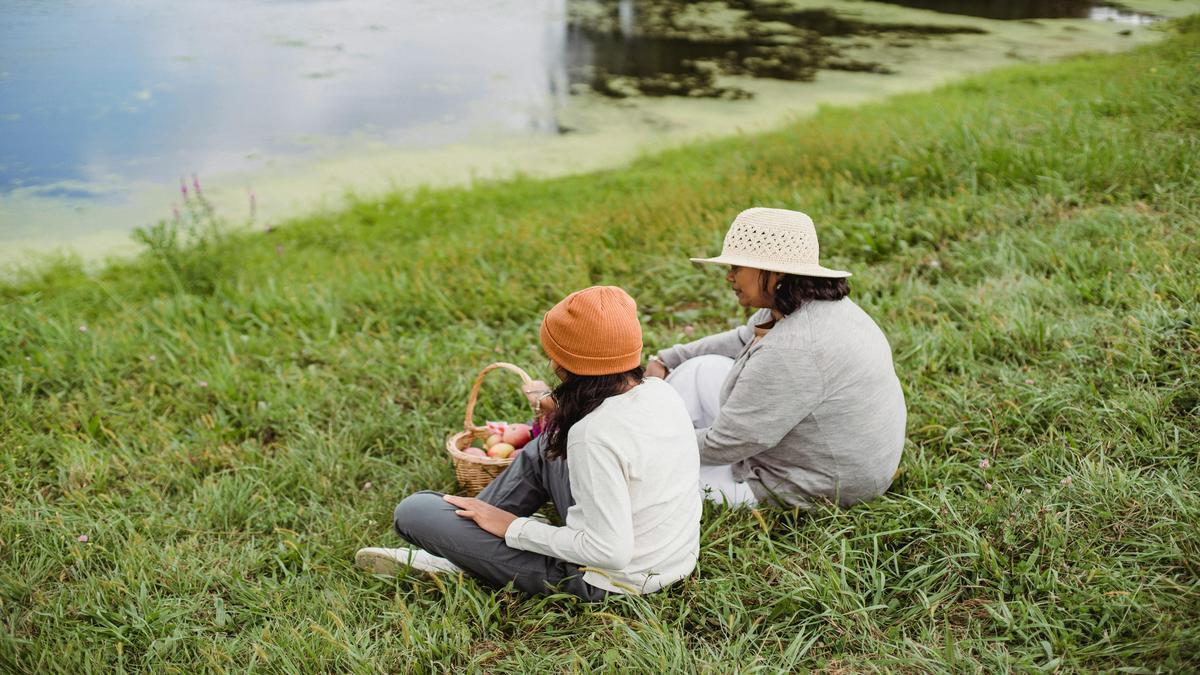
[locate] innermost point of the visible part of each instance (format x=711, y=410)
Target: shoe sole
x=377, y=563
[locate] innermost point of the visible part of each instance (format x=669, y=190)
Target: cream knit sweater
x=634, y=469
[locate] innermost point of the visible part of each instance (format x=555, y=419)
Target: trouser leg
x=718, y=485
x=698, y=381
x=428, y=521
x=530, y=481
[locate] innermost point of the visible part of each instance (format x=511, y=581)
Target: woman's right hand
x=656, y=369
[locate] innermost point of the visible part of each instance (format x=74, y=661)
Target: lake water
x=106, y=104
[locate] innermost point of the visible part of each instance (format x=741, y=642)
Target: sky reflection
x=98, y=91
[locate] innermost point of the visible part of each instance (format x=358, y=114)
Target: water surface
x=106, y=104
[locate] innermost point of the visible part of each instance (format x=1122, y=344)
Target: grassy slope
x=1026, y=239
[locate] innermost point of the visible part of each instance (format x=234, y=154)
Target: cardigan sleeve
x=776, y=390
x=729, y=343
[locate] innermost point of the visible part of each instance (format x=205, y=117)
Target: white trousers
x=698, y=381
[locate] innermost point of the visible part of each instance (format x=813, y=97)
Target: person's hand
x=536, y=391
x=656, y=369
x=490, y=519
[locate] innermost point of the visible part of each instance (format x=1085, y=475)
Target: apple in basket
x=500, y=450
x=475, y=452
x=517, y=435
x=492, y=440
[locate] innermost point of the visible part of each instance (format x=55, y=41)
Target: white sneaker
x=390, y=561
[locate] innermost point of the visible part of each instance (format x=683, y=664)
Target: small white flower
x=984, y=463
x=152, y=358
x=83, y=328
x=202, y=384
x=1066, y=481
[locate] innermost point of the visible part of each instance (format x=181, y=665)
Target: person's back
x=848, y=447
x=650, y=432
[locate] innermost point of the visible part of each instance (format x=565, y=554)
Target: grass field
x=228, y=418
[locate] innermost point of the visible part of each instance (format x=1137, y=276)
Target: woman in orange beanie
x=617, y=457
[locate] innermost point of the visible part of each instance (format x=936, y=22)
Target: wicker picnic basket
x=474, y=473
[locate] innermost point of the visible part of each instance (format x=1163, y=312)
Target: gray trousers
x=427, y=521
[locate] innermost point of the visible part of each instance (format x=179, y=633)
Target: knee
x=418, y=511
x=711, y=365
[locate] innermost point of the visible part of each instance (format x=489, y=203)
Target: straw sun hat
x=776, y=240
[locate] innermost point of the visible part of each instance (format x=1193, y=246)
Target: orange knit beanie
x=594, y=332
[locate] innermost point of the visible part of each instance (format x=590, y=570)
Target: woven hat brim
x=774, y=266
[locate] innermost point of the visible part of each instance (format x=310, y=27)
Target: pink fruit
x=492, y=440
x=500, y=450
x=517, y=435
x=475, y=452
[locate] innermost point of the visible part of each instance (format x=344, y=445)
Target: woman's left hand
x=489, y=518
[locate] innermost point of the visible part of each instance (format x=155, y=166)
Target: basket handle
x=525, y=379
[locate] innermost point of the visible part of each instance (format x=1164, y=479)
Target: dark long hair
x=795, y=290
x=577, y=396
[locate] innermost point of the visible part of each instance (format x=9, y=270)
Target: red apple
x=500, y=450
x=492, y=440
x=475, y=452
x=517, y=435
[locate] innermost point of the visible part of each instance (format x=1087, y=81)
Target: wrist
x=540, y=397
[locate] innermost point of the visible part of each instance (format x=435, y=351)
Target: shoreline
x=609, y=136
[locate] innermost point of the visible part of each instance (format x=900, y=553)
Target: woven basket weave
x=474, y=473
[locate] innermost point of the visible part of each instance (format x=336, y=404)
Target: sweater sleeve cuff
x=701, y=435
x=670, y=357
x=528, y=534
x=513, y=534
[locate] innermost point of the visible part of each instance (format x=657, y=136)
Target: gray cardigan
x=813, y=411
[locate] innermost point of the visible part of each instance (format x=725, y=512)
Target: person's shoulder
x=818, y=312
x=653, y=399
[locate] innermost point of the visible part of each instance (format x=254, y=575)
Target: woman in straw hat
x=801, y=404
x=617, y=457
